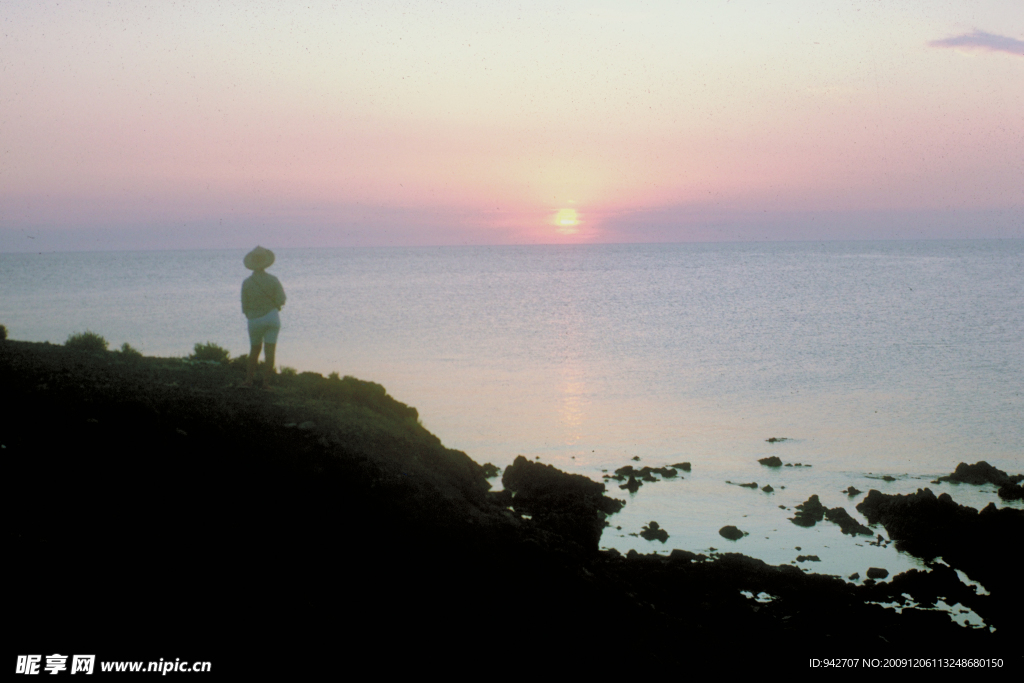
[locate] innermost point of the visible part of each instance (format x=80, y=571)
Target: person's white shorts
x=264, y=329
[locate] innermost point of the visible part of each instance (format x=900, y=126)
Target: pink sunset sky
x=129, y=125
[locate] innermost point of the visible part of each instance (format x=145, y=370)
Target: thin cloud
x=979, y=40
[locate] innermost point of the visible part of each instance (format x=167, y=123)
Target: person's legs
x=254, y=359
x=271, y=349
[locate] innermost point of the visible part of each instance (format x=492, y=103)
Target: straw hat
x=258, y=259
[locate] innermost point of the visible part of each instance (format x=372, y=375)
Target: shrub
x=288, y=372
x=86, y=341
x=210, y=351
x=128, y=352
x=3, y=333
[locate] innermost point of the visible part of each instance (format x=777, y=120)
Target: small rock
x=767, y=488
x=653, y=532
x=877, y=573
x=1010, y=491
x=809, y=512
x=851, y=491
x=773, y=461
x=776, y=439
x=854, y=576
x=491, y=470
x=632, y=485
x=684, y=466
x=731, y=532
x=636, y=457
x=808, y=558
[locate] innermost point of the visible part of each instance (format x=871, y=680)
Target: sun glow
x=567, y=220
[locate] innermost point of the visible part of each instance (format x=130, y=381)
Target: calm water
x=899, y=358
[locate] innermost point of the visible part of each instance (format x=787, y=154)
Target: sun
x=567, y=220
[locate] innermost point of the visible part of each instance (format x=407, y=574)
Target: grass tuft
x=210, y=351
x=128, y=351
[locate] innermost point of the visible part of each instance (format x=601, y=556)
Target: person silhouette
x=262, y=298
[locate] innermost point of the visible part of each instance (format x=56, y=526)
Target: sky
x=180, y=125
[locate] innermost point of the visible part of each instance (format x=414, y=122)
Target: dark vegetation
x=87, y=342
x=210, y=352
x=155, y=509
x=129, y=352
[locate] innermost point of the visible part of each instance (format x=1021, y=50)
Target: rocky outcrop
x=644, y=473
x=985, y=545
x=981, y=473
x=812, y=511
x=567, y=504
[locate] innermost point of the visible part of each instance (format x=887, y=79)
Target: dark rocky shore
x=155, y=507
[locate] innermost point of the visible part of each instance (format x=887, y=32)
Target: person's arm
x=280, y=298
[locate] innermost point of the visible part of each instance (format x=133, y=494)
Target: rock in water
x=632, y=485
x=809, y=512
x=1011, y=491
x=979, y=543
x=847, y=523
x=773, y=461
x=653, y=532
x=731, y=532
x=981, y=473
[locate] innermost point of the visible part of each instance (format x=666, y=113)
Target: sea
x=881, y=364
